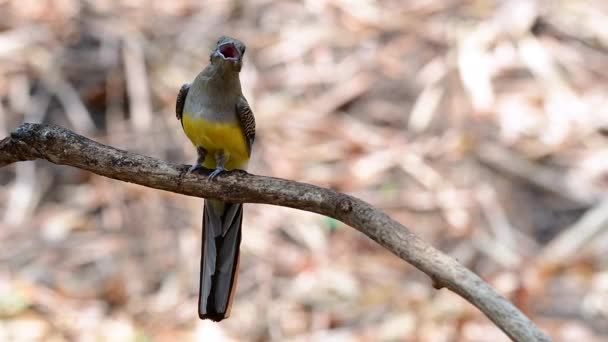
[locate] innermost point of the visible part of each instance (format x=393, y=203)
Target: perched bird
x=217, y=119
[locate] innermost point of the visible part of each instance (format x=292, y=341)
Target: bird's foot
x=216, y=172
x=194, y=168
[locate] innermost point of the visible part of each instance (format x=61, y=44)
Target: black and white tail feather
x=219, y=258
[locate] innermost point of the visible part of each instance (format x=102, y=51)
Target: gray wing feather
x=247, y=121
x=181, y=100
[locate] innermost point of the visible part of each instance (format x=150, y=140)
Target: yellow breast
x=215, y=136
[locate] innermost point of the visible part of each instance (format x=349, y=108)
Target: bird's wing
x=247, y=121
x=181, y=100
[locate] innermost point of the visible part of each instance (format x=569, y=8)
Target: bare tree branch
x=61, y=146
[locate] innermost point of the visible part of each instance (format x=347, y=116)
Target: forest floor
x=482, y=127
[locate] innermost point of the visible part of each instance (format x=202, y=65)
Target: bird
x=219, y=122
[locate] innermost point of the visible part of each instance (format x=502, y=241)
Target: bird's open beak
x=229, y=52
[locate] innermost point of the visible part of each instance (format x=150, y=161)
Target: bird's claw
x=216, y=172
x=193, y=168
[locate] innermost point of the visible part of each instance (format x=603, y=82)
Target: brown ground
x=482, y=127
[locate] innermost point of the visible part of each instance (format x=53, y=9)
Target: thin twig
x=137, y=83
x=567, y=245
x=543, y=177
x=61, y=146
x=76, y=112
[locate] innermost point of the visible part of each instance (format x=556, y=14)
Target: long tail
x=219, y=258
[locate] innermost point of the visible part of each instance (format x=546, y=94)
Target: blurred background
x=480, y=125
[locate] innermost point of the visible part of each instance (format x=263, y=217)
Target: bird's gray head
x=228, y=53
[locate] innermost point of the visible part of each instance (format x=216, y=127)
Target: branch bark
x=61, y=146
